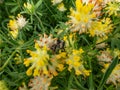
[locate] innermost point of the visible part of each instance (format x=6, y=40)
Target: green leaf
x=107, y=73
x=38, y=4
x=91, y=84
x=14, y=9
x=11, y=3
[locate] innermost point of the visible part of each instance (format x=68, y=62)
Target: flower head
x=54, y=2
x=29, y=7
x=61, y=7
x=98, y=5
x=101, y=28
x=38, y=60
x=113, y=8
x=105, y=56
x=16, y=24
x=41, y=62
x=13, y=25
x=40, y=83
x=46, y=40
x=21, y=21
x=75, y=62
x=58, y=60
x=81, y=17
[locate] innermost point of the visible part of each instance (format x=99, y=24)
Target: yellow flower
x=38, y=60
x=54, y=2
x=29, y=7
x=60, y=67
x=29, y=71
x=13, y=25
x=61, y=7
x=69, y=40
x=116, y=53
x=14, y=33
x=101, y=28
x=81, y=17
x=75, y=62
x=112, y=8
x=58, y=61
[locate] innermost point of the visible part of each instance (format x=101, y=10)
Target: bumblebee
x=58, y=45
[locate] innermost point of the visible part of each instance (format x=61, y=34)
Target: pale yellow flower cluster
x=38, y=60
x=80, y=19
x=60, y=5
x=75, y=62
x=54, y=2
x=113, y=8
x=85, y=20
x=16, y=24
x=46, y=40
x=29, y=7
x=101, y=28
x=40, y=83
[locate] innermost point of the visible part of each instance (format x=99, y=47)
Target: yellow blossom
x=81, y=17
x=38, y=60
x=29, y=71
x=13, y=25
x=54, y=2
x=28, y=6
x=75, y=61
x=14, y=33
x=116, y=53
x=112, y=8
x=61, y=7
x=101, y=28
x=60, y=67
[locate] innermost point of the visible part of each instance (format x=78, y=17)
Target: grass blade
x=108, y=72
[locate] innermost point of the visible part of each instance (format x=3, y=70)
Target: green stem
x=5, y=64
x=5, y=38
x=41, y=24
x=78, y=83
x=70, y=80
x=91, y=85
x=48, y=8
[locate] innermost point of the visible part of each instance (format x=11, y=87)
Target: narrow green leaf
x=11, y=3
x=38, y=4
x=14, y=9
x=107, y=73
x=79, y=84
x=91, y=84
